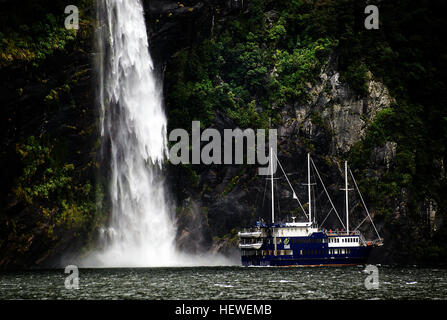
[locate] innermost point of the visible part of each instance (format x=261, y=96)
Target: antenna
x=271, y=176
x=347, y=200
x=308, y=187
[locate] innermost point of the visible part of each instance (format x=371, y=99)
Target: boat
x=304, y=243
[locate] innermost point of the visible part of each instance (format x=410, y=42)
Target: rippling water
x=227, y=283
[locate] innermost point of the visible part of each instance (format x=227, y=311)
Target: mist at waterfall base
x=141, y=228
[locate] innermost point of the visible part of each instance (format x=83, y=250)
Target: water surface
x=227, y=283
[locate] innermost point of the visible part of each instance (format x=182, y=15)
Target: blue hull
x=305, y=251
x=285, y=261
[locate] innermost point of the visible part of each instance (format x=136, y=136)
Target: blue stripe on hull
x=358, y=255
x=302, y=262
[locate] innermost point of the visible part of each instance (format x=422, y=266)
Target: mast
x=273, y=201
x=308, y=187
x=346, y=195
x=271, y=178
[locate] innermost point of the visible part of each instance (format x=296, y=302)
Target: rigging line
x=319, y=195
x=330, y=200
x=263, y=197
x=314, y=191
x=326, y=217
x=294, y=193
x=315, y=203
x=361, y=223
x=361, y=198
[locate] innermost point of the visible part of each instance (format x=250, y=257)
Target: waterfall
x=140, y=231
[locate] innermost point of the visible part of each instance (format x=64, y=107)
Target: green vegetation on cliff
x=48, y=132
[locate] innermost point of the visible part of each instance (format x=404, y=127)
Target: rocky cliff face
x=337, y=109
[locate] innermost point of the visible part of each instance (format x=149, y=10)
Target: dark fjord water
x=227, y=283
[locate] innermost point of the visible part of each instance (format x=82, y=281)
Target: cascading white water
x=133, y=125
x=141, y=231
